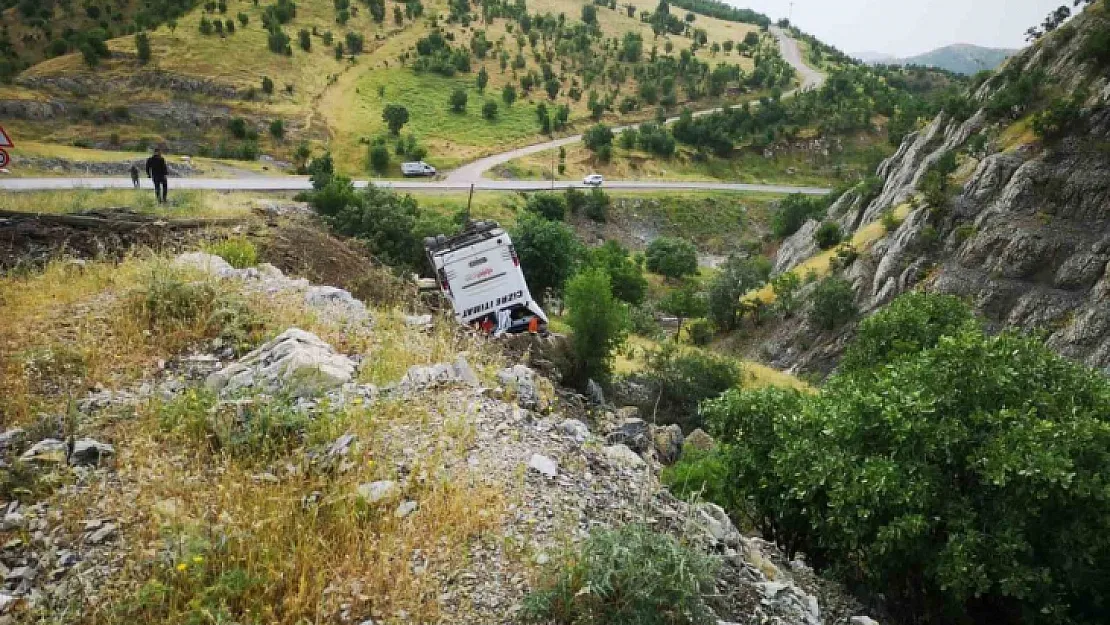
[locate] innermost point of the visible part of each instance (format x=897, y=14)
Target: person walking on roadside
x=135, y=175
x=158, y=172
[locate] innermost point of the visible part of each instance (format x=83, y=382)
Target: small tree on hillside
x=305, y=39
x=598, y=137
x=489, y=110
x=786, y=287
x=684, y=303
x=672, y=258
x=735, y=277
x=599, y=322
x=267, y=85
x=379, y=158
x=508, y=95
x=395, y=116
x=625, y=276
x=458, y=101
x=142, y=47
x=832, y=304
x=548, y=252
x=483, y=80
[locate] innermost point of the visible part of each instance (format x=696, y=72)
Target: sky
x=905, y=28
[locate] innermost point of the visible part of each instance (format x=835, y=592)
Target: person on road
x=158, y=172
x=135, y=175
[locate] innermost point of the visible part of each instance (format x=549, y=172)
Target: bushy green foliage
x=827, y=235
x=793, y=212
x=912, y=323
x=832, y=303
x=785, y=286
x=1059, y=118
x=627, y=576
x=254, y=431
x=239, y=252
x=685, y=302
x=734, y=278
x=458, y=100
x=378, y=157
x=671, y=257
x=681, y=379
x=489, y=110
x=702, y=476
x=598, y=137
x=625, y=276
x=395, y=116
x=142, y=47
x=599, y=323
x=597, y=205
x=548, y=252
x=964, y=481
x=547, y=205
x=1096, y=46
x=700, y=332
x=170, y=305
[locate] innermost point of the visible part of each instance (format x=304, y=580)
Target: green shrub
x=576, y=200
x=547, y=205
x=378, y=157
x=599, y=323
x=734, y=278
x=832, y=303
x=701, y=475
x=239, y=252
x=641, y=322
x=626, y=277
x=785, y=287
x=1096, y=46
x=910, y=324
x=793, y=212
x=681, y=379
x=627, y=576
x=597, y=206
x=671, y=257
x=1056, y=121
x=700, y=332
x=890, y=221
x=167, y=302
x=827, y=235
x=950, y=472
x=256, y=431
x=387, y=221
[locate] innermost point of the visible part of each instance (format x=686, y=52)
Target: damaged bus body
x=479, y=272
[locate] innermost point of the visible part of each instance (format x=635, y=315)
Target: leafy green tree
x=267, y=85
x=597, y=205
x=489, y=110
x=625, y=276
x=959, y=473
x=377, y=10
x=680, y=380
x=598, y=137
x=508, y=95
x=671, y=257
x=387, y=222
x=785, y=287
x=277, y=129
x=910, y=324
x=827, y=235
x=551, y=86
x=832, y=303
x=321, y=170
x=793, y=212
x=379, y=158
x=547, y=205
x=548, y=252
x=142, y=47
x=304, y=37
x=395, y=116
x=599, y=323
x=458, y=101
x=685, y=302
x=736, y=277
x=483, y=80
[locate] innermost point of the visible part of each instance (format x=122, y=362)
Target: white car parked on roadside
x=593, y=180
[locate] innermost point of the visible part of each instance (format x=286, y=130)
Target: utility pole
x=552, y=170
x=790, y=15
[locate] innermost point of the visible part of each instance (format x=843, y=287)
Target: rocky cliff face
x=1026, y=239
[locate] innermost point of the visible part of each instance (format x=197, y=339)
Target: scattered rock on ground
x=295, y=362
x=632, y=432
x=622, y=456
x=525, y=384
x=46, y=451
x=89, y=452
x=382, y=490
x=700, y=441
x=405, y=509
x=336, y=302
x=543, y=465
x=667, y=441
x=595, y=393
x=425, y=377
x=575, y=429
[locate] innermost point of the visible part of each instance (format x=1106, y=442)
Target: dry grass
x=183, y=203
x=209, y=539
x=754, y=375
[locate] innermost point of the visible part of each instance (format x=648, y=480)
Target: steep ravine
x=1025, y=239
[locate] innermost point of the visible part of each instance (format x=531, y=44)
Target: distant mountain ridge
x=962, y=58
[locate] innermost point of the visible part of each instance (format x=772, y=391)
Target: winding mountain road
x=470, y=174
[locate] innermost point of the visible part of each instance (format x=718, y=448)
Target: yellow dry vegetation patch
x=1017, y=134
x=753, y=374
x=820, y=264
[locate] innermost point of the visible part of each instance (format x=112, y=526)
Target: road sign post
x=5, y=142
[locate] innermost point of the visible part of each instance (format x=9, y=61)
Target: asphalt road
x=463, y=177
x=302, y=183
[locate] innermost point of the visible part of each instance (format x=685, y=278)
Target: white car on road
x=593, y=180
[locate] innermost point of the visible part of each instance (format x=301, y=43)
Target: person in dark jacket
x=157, y=170
x=135, y=175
